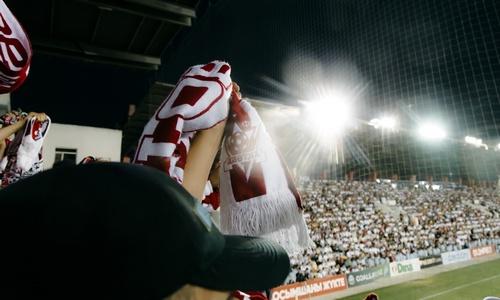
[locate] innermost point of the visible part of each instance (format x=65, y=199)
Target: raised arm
x=201, y=155
x=7, y=131
x=3, y=146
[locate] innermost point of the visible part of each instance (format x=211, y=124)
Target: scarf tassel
x=275, y=216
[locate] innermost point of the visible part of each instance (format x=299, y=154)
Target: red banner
x=483, y=251
x=310, y=288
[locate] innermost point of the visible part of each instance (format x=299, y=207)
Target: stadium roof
x=124, y=33
x=92, y=58
x=436, y=57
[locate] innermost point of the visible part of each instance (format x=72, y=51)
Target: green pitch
x=470, y=283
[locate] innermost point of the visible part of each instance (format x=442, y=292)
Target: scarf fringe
x=274, y=215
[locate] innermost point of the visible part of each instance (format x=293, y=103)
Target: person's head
x=371, y=296
x=87, y=160
x=115, y=231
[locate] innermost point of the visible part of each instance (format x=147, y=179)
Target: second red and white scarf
x=258, y=195
x=15, y=51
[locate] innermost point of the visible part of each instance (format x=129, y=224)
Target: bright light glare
x=388, y=123
x=431, y=132
x=329, y=116
x=497, y=148
x=475, y=142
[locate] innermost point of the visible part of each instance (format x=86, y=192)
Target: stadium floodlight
x=375, y=123
x=497, y=148
x=330, y=116
x=475, y=142
x=387, y=123
x=431, y=131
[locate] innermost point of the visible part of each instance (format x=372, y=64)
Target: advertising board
x=455, y=256
x=430, y=261
x=483, y=251
x=310, y=288
x=368, y=275
x=403, y=267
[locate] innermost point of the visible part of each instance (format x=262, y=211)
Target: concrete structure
x=4, y=103
x=82, y=141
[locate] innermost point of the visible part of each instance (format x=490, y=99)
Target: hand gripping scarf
x=258, y=196
x=15, y=51
x=198, y=101
x=23, y=157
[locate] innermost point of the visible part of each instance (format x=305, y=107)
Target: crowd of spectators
x=357, y=225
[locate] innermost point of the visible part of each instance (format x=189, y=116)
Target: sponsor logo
x=369, y=275
x=430, y=261
x=310, y=288
x=403, y=267
x=483, y=251
x=456, y=256
x=351, y=280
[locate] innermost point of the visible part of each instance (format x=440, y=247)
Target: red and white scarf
x=258, y=196
x=257, y=295
x=199, y=101
x=212, y=197
x=15, y=51
x=23, y=156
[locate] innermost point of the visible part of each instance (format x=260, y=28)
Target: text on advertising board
x=310, y=288
x=368, y=275
x=483, y=251
x=403, y=267
x=456, y=256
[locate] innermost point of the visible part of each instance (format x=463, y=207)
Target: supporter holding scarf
x=22, y=135
x=257, y=194
x=183, y=138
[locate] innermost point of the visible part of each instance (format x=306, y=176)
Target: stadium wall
x=98, y=142
x=310, y=288
x=4, y=103
x=455, y=256
x=331, y=284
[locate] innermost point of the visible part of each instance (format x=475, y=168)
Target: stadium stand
x=359, y=225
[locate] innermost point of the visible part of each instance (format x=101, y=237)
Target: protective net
x=420, y=80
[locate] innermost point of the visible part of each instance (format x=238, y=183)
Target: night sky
x=420, y=58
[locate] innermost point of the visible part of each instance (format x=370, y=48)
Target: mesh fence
x=416, y=61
